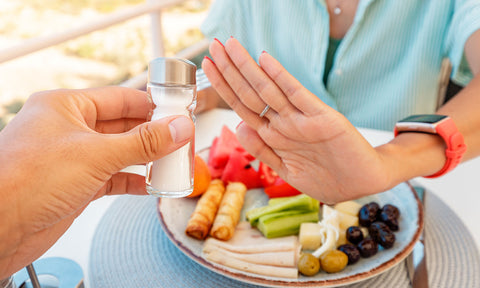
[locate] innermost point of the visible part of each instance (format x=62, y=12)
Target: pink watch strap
x=455, y=146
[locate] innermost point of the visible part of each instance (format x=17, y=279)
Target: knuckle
x=243, y=90
x=261, y=87
x=149, y=142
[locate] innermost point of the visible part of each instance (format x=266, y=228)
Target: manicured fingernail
x=209, y=59
x=218, y=41
x=241, y=122
x=264, y=52
x=181, y=129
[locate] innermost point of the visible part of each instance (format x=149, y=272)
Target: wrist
x=440, y=125
x=411, y=155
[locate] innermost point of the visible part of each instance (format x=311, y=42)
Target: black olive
x=387, y=239
x=389, y=218
x=352, y=253
x=381, y=234
x=354, y=234
x=375, y=229
x=368, y=214
x=367, y=247
x=389, y=208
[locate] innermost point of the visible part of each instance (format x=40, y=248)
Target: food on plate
x=285, y=223
x=389, y=215
x=202, y=218
x=330, y=228
x=249, y=251
x=333, y=261
x=273, y=271
x=229, y=161
x=346, y=220
x=308, y=264
x=222, y=147
x=367, y=247
x=347, y=231
x=266, y=175
x=351, y=251
x=201, y=177
x=276, y=258
x=381, y=223
x=389, y=208
x=342, y=237
x=368, y=214
x=283, y=216
x=239, y=169
x=300, y=203
x=339, y=231
x=310, y=236
x=249, y=240
x=280, y=188
x=354, y=234
x=381, y=234
x=348, y=207
x=228, y=214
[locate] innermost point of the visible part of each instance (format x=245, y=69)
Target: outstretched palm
x=309, y=144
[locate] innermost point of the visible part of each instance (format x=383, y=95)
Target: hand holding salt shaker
x=172, y=88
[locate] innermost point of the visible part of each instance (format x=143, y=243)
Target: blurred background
x=118, y=38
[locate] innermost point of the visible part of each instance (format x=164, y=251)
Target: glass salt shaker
x=172, y=88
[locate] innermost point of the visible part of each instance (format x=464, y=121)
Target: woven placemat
x=453, y=259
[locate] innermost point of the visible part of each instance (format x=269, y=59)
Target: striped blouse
x=387, y=65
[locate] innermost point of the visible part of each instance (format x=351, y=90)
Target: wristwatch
x=444, y=127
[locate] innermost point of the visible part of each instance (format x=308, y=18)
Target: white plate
x=174, y=214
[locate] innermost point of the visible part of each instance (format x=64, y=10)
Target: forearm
x=411, y=155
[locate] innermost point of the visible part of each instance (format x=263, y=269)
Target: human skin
x=66, y=148
x=315, y=148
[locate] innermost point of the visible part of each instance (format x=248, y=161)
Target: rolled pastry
x=228, y=214
x=203, y=216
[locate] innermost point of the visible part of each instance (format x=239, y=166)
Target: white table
x=460, y=189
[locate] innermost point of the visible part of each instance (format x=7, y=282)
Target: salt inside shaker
x=172, y=88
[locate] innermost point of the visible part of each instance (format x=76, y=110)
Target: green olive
x=334, y=261
x=308, y=264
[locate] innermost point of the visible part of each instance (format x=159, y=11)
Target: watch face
x=426, y=118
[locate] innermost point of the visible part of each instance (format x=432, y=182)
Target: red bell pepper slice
x=281, y=189
x=267, y=175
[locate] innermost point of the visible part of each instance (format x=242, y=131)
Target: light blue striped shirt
x=387, y=65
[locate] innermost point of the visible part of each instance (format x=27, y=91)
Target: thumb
x=151, y=140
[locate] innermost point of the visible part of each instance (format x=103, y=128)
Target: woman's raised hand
x=309, y=144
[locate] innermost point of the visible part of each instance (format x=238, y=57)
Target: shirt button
x=339, y=72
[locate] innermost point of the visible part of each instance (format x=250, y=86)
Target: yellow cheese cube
x=342, y=237
x=347, y=220
x=310, y=236
x=348, y=207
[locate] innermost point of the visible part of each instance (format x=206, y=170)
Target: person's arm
x=425, y=154
x=66, y=148
x=315, y=148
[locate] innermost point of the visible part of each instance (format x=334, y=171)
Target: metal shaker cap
x=171, y=71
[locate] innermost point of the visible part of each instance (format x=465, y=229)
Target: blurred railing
x=152, y=7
